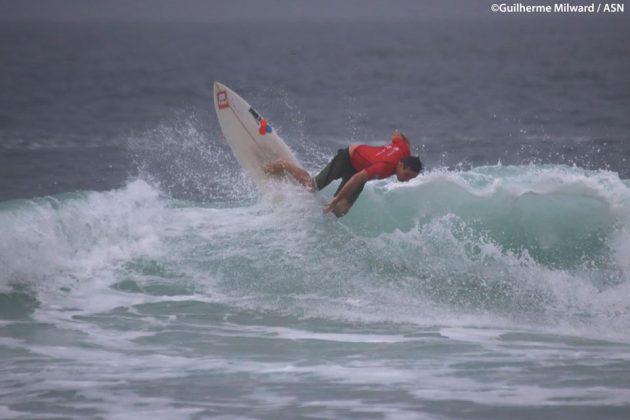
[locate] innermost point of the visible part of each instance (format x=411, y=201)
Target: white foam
x=471, y=335
x=293, y=334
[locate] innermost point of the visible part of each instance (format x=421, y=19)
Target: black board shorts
x=339, y=167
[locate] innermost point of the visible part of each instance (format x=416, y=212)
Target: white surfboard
x=252, y=139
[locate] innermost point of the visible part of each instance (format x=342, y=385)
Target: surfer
x=355, y=165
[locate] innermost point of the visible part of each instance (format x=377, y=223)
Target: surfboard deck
x=250, y=136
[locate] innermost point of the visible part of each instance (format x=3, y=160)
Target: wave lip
x=560, y=215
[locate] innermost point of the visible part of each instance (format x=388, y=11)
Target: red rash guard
x=380, y=161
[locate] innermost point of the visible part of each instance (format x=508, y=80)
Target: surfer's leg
x=300, y=175
x=338, y=167
x=283, y=165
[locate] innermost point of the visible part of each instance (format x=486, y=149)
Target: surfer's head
x=408, y=168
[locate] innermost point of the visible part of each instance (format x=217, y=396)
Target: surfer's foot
x=275, y=167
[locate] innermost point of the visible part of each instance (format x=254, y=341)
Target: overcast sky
x=72, y=10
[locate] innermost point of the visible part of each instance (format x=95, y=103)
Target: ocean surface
x=142, y=275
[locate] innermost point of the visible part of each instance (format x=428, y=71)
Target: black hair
x=413, y=163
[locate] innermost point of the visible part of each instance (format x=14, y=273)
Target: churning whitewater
x=529, y=246
x=493, y=266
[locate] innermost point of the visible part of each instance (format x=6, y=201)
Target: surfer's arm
x=357, y=181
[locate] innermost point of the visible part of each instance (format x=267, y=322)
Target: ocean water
x=143, y=276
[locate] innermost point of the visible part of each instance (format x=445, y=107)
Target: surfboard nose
x=218, y=86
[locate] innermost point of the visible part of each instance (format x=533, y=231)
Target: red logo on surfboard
x=222, y=99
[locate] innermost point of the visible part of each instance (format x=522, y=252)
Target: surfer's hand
x=337, y=207
x=329, y=207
